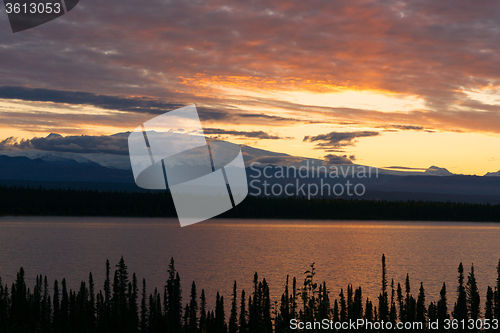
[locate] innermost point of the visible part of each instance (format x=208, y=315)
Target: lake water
x=215, y=253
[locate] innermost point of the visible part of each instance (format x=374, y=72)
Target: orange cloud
x=191, y=52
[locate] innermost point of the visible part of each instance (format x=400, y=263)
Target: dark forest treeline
x=124, y=305
x=64, y=202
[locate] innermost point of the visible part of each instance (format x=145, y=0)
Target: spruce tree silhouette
x=83, y=310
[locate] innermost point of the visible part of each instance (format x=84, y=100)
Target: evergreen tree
x=106, y=304
x=266, y=308
x=193, y=310
x=144, y=309
x=488, y=310
x=402, y=313
x=461, y=311
x=19, y=301
x=220, y=322
x=91, y=310
x=432, y=312
x=410, y=303
x=72, y=309
x=4, y=307
x=349, y=301
x=421, y=309
x=133, y=311
x=243, y=314
x=56, y=319
x=442, y=307
x=80, y=307
x=173, y=299
x=293, y=302
x=203, y=312
x=254, y=307
x=82, y=311
x=324, y=303
x=64, y=307
x=343, y=306
x=233, y=319
x=46, y=310
x=473, y=298
x=185, y=319
x=383, y=297
x=336, y=312
x=393, y=312
x=155, y=313
x=357, y=308
x=497, y=294
x=120, y=299
x=369, y=315
x=250, y=324
x=107, y=285
x=282, y=319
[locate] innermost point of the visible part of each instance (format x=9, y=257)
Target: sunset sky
x=386, y=83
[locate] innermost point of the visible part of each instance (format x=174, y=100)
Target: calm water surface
x=217, y=252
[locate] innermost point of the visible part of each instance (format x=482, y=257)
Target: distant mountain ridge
x=250, y=154
x=37, y=169
x=49, y=168
x=111, y=161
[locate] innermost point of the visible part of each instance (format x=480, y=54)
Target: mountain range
x=113, y=171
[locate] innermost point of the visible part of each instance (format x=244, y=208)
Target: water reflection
x=217, y=252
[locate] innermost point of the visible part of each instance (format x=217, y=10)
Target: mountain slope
x=24, y=168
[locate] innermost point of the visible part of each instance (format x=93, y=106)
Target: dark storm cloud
x=145, y=105
x=241, y=134
x=83, y=98
x=337, y=140
x=331, y=159
x=113, y=144
x=396, y=128
x=181, y=50
x=459, y=121
x=403, y=168
x=235, y=116
x=405, y=127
